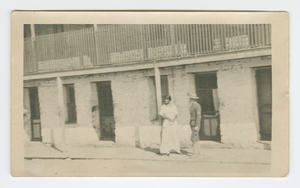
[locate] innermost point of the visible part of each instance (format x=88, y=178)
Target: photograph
x=148, y=99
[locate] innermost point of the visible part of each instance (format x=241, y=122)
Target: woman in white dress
x=169, y=140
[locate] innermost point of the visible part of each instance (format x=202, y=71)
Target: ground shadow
x=156, y=151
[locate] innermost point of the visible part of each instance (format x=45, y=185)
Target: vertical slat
x=194, y=37
x=270, y=33
x=148, y=41
x=99, y=44
x=255, y=35
x=267, y=34
x=197, y=38
x=263, y=34
x=177, y=38
x=203, y=38
x=212, y=37
x=186, y=39
x=121, y=27
x=110, y=43
x=209, y=38
x=141, y=49
x=134, y=41
x=249, y=35
x=121, y=41
x=238, y=36
x=219, y=37
x=233, y=38
x=130, y=43
x=164, y=40
x=105, y=47
x=259, y=34
x=124, y=42
x=244, y=39
x=182, y=39
x=159, y=40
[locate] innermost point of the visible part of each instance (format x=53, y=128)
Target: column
x=61, y=111
x=158, y=89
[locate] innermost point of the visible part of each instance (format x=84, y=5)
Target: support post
x=61, y=111
x=158, y=90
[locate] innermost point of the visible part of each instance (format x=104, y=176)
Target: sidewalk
x=251, y=156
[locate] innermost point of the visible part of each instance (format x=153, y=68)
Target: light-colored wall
x=238, y=111
x=131, y=99
x=26, y=119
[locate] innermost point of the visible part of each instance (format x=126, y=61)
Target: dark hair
x=168, y=97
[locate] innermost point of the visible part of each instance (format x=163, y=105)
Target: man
x=195, y=119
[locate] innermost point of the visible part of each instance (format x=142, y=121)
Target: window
x=71, y=116
x=153, y=97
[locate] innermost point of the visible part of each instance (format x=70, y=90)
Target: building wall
x=238, y=106
x=131, y=99
x=26, y=119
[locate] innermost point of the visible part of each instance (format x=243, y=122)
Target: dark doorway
x=264, y=96
x=107, y=121
x=71, y=104
x=206, y=90
x=35, y=115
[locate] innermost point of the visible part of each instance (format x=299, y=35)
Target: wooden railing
x=109, y=45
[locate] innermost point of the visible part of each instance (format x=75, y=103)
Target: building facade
x=95, y=85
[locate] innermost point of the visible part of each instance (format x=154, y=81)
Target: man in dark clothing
x=195, y=119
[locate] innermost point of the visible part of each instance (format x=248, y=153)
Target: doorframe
x=113, y=134
x=31, y=119
x=217, y=138
x=258, y=105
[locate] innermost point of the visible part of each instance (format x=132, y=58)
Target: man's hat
x=193, y=96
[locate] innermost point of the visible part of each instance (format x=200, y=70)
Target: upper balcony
x=114, y=45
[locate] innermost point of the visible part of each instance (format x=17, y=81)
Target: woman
x=170, y=140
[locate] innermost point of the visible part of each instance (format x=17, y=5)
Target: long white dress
x=170, y=139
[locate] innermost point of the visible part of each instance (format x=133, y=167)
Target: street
x=125, y=167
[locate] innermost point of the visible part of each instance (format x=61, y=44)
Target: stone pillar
x=238, y=111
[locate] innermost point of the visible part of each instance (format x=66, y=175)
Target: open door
x=207, y=91
x=107, y=120
x=264, y=96
x=35, y=115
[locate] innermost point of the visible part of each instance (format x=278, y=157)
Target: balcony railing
x=130, y=44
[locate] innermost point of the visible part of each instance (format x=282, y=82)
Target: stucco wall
x=26, y=119
x=237, y=106
x=131, y=106
x=131, y=99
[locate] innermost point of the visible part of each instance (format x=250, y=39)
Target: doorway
x=35, y=115
x=207, y=91
x=264, y=97
x=106, y=112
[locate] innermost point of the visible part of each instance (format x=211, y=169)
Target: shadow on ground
x=156, y=151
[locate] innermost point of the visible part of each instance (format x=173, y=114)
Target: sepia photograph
x=149, y=99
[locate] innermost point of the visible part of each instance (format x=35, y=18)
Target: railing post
x=96, y=44
x=34, y=58
x=172, y=39
x=158, y=89
x=61, y=111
